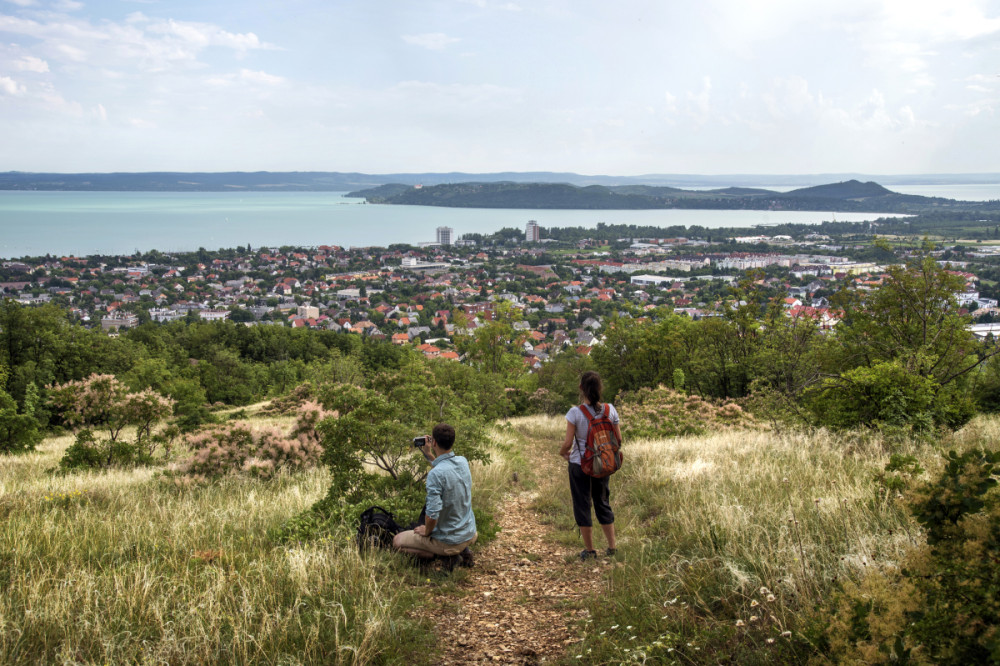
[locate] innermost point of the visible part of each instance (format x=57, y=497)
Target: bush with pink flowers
x=260, y=452
x=102, y=403
x=664, y=412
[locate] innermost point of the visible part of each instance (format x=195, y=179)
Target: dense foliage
x=901, y=355
x=941, y=605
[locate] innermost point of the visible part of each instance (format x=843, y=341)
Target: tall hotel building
x=532, y=232
x=444, y=235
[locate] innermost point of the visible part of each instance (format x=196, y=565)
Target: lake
x=61, y=223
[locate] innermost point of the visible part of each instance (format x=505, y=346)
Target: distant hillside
x=648, y=190
x=741, y=191
x=263, y=181
x=852, y=189
x=849, y=196
x=381, y=193
x=314, y=181
x=519, y=195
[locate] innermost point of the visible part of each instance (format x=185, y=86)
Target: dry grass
x=777, y=510
x=706, y=521
x=119, y=567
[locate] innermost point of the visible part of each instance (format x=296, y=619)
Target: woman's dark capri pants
x=586, y=488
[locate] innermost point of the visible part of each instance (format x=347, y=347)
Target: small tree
x=369, y=446
x=104, y=403
x=902, y=355
x=495, y=346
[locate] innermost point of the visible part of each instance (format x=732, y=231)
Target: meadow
x=733, y=545
x=729, y=543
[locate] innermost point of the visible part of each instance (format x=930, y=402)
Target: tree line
x=901, y=355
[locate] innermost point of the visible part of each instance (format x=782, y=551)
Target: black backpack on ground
x=376, y=528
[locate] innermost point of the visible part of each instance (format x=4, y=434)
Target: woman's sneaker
x=588, y=555
x=611, y=552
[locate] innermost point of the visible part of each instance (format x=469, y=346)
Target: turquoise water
x=82, y=223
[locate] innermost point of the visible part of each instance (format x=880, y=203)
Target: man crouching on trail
x=450, y=526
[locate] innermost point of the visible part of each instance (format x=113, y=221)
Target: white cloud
x=670, y=103
x=434, y=41
x=11, y=87
x=246, y=76
x=145, y=43
x=981, y=107
x=700, y=102
x=789, y=96
x=262, y=78
x=22, y=3
x=140, y=123
x=202, y=35
x=31, y=64
x=935, y=21
x=67, y=5
x=503, y=6
x=70, y=52
x=100, y=113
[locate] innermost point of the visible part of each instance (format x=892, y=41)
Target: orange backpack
x=603, y=456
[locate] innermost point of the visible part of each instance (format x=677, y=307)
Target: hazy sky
x=621, y=87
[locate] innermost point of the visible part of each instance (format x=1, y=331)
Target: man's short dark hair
x=444, y=436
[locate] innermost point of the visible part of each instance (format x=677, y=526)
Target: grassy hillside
x=123, y=567
x=732, y=546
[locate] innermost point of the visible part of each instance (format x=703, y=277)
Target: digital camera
x=419, y=441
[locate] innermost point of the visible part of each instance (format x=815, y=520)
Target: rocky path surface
x=523, y=600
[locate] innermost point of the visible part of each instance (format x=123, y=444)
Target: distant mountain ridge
x=541, y=190
x=851, y=189
x=847, y=196
x=320, y=181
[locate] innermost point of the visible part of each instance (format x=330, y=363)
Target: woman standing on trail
x=587, y=490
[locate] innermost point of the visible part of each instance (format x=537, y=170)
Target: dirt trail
x=520, y=602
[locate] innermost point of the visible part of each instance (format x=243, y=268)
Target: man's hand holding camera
x=427, y=447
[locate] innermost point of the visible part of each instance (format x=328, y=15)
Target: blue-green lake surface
x=82, y=223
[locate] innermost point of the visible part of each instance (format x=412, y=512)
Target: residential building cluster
x=429, y=297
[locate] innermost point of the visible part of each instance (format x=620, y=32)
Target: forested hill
x=851, y=195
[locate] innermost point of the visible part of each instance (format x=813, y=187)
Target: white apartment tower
x=532, y=232
x=444, y=235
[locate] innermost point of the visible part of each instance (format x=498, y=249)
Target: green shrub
x=86, y=452
x=18, y=432
x=889, y=394
x=942, y=605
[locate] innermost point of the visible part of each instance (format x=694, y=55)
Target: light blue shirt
x=449, y=499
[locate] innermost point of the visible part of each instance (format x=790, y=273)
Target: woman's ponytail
x=591, y=387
